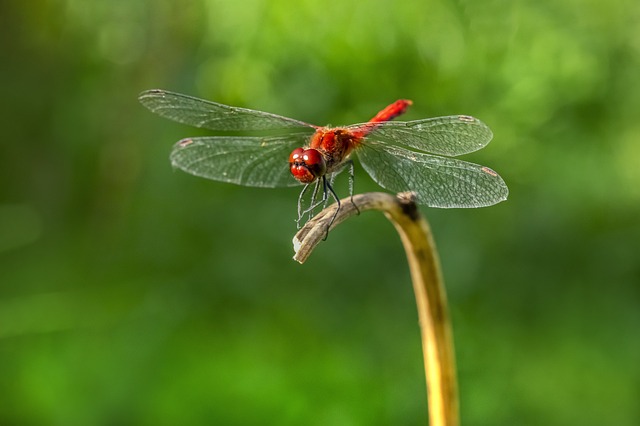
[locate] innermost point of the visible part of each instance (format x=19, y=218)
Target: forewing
x=214, y=116
x=451, y=136
x=248, y=161
x=437, y=181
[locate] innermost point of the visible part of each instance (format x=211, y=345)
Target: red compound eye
x=307, y=165
x=296, y=155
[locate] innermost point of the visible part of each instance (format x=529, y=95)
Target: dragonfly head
x=307, y=165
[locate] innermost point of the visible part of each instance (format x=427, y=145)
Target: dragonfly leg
x=300, y=201
x=351, y=183
x=351, y=170
x=312, y=204
x=330, y=184
x=327, y=188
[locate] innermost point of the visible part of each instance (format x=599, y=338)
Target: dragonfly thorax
x=335, y=145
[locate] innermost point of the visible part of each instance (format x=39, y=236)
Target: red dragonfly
x=399, y=156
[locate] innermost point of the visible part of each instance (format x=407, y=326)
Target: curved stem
x=435, y=326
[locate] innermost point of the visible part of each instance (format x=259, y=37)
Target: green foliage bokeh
x=134, y=295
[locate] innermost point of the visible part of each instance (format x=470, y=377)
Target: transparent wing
x=437, y=181
x=451, y=136
x=210, y=115
x=248, y=161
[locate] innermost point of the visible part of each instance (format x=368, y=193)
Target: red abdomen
x=392, y=111
x=388, y=113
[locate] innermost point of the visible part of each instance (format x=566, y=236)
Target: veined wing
x=437, y=181
x=451, y=136
x=214, y=116
x=248, y=161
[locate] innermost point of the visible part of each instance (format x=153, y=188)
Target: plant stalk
x=424, y=265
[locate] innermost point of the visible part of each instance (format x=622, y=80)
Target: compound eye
x=312, y=158
x=296, y=155
x=307, y=165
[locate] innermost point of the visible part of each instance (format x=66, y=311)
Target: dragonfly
x=400, y=156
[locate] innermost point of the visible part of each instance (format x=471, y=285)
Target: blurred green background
x=131, y=294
